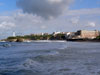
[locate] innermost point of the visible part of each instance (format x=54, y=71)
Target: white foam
x=32, y=65
x=49, y=41
x=53, y=53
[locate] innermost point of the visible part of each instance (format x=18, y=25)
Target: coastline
x=38, y=41
x=68, y=40
x=83, y=40
x=79, y=36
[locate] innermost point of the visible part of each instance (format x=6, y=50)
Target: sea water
x=50, y=58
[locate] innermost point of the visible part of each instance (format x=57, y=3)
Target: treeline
x=98, y=38
x=37, y=37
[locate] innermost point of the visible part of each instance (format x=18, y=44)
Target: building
x=14, y=34
x=70, y=35
x=87, y=34
x=55, y=33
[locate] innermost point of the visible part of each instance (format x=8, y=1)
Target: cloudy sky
x=36, y=16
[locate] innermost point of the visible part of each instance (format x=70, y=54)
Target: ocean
x=50, y=58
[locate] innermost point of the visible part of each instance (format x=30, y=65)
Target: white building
x=55, y=33
x=14, y=34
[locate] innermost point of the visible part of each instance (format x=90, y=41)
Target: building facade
x=88, y=34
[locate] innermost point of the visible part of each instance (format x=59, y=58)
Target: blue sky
x=82, y=14
x=7, y=5
x=81, y=4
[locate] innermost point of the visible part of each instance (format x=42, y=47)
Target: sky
x=37, y=16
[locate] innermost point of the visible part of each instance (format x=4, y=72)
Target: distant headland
x=80, y=35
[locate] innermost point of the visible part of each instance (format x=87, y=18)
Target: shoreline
x=83, y=40
x=38, y=41
x=68, y=40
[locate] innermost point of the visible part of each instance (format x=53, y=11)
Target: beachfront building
x=70, y=35
x=55, y=33
x=87, y=34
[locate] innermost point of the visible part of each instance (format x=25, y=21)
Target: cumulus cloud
x=6, y=25
x=43, y=27
x=91, y=24
x=47, y=9
x=18, y=21
x=55, y=1
x=91, y=11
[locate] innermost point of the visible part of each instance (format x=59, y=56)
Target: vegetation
x=98, y=38
x=37, y=37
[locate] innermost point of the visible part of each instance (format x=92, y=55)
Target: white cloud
x=92, y=11
x=55, y=1
x=91, y=24
x=19, y=20
x=6, y=25
x=43, y=27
